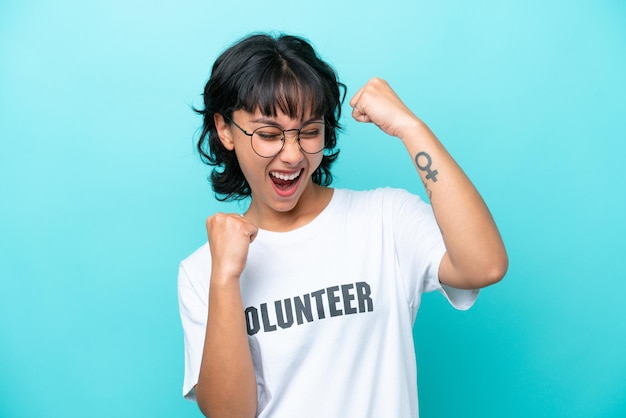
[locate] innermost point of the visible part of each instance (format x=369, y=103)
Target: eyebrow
x=272, y=122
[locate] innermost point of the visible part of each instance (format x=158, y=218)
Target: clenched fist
x=376, y=102
x=229, y=237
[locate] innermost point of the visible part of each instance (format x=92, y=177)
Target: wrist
x=224, y=281
x=414, y=131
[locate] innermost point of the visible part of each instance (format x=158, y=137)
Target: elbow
x=482, y=274
x=203, y=404
x=213, y=412
x=474, y=272
x=227, y=407
x=493, y=271
x=203, y=408
x=497, y=272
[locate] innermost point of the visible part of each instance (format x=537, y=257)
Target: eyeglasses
x=269, y=141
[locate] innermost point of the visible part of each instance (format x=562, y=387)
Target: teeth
x=285, y=176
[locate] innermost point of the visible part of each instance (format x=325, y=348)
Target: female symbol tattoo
x=430, y=174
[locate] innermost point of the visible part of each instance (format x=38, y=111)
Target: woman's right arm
x=227, y=383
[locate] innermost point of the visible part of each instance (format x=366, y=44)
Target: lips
x=285, y=183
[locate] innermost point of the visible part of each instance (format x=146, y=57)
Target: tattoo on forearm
x=430, y=174
x=429, y=192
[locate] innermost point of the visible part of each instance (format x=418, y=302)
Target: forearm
x=475, y=256
x=227, y=384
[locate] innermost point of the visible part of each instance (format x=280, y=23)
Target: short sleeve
x=193, y=306
x=461, y=299
x=420, y=249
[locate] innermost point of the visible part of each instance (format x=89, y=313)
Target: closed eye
x=269, y=134
x=310, y=134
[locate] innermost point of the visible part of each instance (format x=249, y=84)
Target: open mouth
x=285, y=181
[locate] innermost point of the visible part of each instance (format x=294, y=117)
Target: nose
x=291, y=152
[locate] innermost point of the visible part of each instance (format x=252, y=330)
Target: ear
x=224, y=132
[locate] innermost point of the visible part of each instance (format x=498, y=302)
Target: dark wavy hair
x=271, y=74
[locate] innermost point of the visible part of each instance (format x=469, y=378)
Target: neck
x=308, y=207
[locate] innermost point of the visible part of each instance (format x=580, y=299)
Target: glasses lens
x=267, y=141
x=312, y=137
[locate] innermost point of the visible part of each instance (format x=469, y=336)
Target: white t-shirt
x=330, y=307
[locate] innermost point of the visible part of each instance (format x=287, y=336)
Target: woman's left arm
x=475, y=254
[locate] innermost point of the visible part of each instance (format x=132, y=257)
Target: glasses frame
x=282, y=139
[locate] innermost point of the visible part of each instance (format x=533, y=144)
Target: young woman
x=304, y=305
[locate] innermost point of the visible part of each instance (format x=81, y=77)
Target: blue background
x=102, y=194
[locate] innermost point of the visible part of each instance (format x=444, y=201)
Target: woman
x=304, y=305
